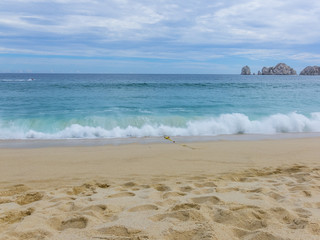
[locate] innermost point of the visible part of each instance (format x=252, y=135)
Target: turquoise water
x=62, y=106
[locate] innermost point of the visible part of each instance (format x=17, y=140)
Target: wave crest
x=235, y=123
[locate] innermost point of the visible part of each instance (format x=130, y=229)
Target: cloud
x=283, y=22
x=188, y=21
x=200, y=30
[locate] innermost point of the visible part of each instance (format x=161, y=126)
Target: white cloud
x=188, y=21
x=260, y=21
x=172, y=29
x=116, y=19
x=313, y=58
x=276, y=55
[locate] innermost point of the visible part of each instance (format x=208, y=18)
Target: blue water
x=62, y=106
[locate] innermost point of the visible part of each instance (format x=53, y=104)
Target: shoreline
x=156, y=158
x=83, y=142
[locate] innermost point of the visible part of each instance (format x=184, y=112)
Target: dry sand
x=214, y=190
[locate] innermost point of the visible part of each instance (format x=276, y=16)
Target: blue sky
x=163, y=36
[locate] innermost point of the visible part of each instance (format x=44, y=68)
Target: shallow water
x=82, y=106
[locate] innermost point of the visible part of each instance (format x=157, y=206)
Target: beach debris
x=168, y=138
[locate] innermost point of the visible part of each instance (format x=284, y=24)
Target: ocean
x=106, y=106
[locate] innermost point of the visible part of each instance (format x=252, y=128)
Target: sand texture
x=255, y=190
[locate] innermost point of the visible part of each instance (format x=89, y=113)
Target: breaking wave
x=235, y=123
x=17, y=80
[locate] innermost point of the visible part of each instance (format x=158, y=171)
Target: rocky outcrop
x=245, y=71
x=259, y=73
x=279, y=69
x=311, y=70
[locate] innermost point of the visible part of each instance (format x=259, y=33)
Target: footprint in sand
x=173, y=194
x=122, y=194
x=193, y=234
x=161, y=188
x=85, y=190
x=186, y=189
x=201, y=232
x=303, y=212
x=67, y=206
x=307, y=193
x=95, y=208
x=301, y=189
x=205, y=184
x=15, y=215
x=167, y=203
x=262, y=236
x=298, y=223
x=130, y=184
x=5, y=200
x=290, y=219
x=184, y=215
x=108, y=212
x=185, y=206
x=147, y=207
x=206, y=199
x=240, y=232
x=302, y=177
x=282, y=215
x=102, y=185
x=13, y=190
x=33, y=234
x=313, y=228
x=275, y=196
x=29, y=198
x=258, y=190
x=242, y=217
x=121, y=232
x=74, y=222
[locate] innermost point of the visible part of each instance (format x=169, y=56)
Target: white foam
x=235, y=123
x=17, y=80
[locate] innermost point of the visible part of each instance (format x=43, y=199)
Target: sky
x=163, y=36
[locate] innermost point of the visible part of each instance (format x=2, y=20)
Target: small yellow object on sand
x=168, y=138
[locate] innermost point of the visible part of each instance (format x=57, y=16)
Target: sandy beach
x=265, y=189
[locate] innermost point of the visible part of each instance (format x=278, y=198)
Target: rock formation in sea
x=279, y=69
x=259, y=72
x=311, y=70
x=245, y=70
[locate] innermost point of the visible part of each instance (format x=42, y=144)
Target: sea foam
x=235, y=123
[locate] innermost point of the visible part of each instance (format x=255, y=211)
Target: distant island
x=282, y=69
x=245, y=70
x=311, y=70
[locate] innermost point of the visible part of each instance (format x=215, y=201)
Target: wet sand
x=265, y=189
